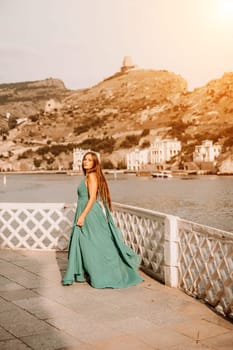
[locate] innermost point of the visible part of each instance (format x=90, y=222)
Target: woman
x=96, y=247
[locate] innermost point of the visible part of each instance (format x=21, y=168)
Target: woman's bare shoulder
x=92, y=177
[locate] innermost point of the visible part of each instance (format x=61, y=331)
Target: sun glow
x=224, y=9
x=227, y=7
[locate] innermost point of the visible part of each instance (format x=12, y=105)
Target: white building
x=206, y=152
x=136, y=159
x=159, y=152
x=162, y=151
x=78, y=155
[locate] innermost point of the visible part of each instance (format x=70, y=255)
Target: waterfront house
x=137, y=159
x=161, y=151
x=206, y=152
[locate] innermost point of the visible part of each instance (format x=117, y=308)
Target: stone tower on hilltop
x=127, y=64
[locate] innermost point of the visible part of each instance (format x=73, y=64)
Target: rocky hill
x=125, y=110
x=27, y=98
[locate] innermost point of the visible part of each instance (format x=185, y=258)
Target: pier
x=185, y=301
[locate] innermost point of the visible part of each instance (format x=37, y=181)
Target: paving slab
x=199, y=330
x=4, y=335
x=44, y=308
x=13, y=344
x=162, y=338
x=220, y=342
x=20, y=323
x=5, y=305
x=37, y=312
x=125, y=342
x=17, y=294
x=51, y=340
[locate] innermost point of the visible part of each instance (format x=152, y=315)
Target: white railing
x=206, y=264
x=193, y=257
x=144, y=231
x=35, y=225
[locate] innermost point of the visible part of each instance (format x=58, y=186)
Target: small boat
x=162, y=174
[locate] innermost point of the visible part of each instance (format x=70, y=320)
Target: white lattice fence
x=144, y=231
x=183, y=254
x=47, y=226
x=35, y=226
x=206, y=264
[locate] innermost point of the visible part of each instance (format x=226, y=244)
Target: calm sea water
x=204, y=199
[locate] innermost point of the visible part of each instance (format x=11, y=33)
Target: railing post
x=171, y=252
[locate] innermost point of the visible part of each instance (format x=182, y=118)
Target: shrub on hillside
x=55, y=149
x=121, y=164
x=12, y=122
x=25, y=155
x=107, y=164
x=37, y=162
x=4, y=131
x=130, y=141
x=80, y=129
x=178, y=128
x=90, y=124
x=34, y=117
x=105, y=145
x=227, y=133
x=206, y=136
x=145, y=132
x=4, y=99
x=145, y=144
x=228, y=143
x=50, y=160
x=43, y=150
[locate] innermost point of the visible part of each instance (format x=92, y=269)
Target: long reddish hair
x=103, y=189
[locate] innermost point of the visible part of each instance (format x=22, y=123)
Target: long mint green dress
x=97, y=250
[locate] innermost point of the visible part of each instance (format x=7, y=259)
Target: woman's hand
x=80, y=221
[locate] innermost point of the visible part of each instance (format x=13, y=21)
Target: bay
x=207, y=200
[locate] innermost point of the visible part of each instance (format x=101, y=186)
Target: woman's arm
x=92, y=186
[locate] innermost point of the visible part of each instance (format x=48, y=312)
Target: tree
x=12, y=122
x=37, y=162
x=145, y=144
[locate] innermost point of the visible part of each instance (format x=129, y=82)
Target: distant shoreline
x=106, y=171
x=37, y=172
x=54, y=172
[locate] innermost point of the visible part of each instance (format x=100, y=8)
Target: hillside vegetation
x=124, y=111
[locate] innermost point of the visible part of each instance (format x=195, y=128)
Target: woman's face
x=88, y=162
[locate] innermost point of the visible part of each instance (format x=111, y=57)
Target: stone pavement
x=37, y=312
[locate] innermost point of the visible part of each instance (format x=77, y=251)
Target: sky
x=83, y=42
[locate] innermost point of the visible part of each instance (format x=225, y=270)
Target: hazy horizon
x=84, y=42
